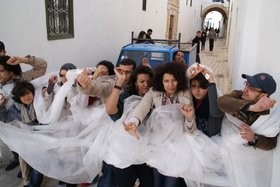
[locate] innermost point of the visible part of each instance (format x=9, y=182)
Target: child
x=23, y=110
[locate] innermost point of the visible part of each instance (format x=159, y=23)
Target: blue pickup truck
x=159, y=52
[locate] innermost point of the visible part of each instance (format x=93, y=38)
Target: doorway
x=171, y=25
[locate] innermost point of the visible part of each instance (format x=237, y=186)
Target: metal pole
x=132, y=35
x=179, y=43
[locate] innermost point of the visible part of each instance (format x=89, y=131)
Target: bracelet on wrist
x=118, y=87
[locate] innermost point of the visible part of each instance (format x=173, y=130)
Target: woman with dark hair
x=175, y=148
x=141, y=37
x=103, y=68
x=23, y=110
x=204, y=91
x=54, y=85
x=170, y=87
x=126, y=172
x=53, y=80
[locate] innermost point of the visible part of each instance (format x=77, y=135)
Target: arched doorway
x=172, y=19
x=224, y=21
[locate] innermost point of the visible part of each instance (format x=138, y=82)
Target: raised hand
x=83, y=79
x=97, y=72
x=208, y=75
x=121, y=76
x=194, y=70
x=53, y=79
x=145, y=62
x=264, y=103
x=15, y=60
x=131, y=128
x=188, y=111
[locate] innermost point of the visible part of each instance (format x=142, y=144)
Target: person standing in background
x=212, y=37
x=148, y=35
x=203, y=39
x=197, y=40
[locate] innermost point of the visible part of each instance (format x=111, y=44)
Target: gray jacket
x=153, y=99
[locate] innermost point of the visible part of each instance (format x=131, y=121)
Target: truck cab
x=160, y=52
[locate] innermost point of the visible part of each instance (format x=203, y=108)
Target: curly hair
x=139, y=70
x=175, y=69
x=20, y=89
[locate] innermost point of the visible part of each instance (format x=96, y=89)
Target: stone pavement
x=217, y=60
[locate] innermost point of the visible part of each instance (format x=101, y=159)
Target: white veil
x=243, y=160
x=60, y=150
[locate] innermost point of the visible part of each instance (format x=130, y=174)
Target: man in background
x=197, y=40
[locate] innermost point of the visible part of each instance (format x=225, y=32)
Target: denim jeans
x=36, y=178
x=107, y=179
x=166, y=181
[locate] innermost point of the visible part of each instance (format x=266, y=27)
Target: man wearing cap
x=250, y=130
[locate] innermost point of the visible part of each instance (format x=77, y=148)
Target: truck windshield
x=154, y=58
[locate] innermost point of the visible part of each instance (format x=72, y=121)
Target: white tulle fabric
x=72, y=148
x=123, y=149
x=245, y=165
x=62, y=149
x=192, y=156
x=275, y=181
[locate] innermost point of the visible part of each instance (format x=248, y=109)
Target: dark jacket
x=13, y=113
x=196, y=40
x=208, y=116
x=203, y=37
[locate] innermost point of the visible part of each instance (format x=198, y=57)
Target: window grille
x=59, y=14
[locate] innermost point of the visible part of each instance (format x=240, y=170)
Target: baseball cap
x=262, y=81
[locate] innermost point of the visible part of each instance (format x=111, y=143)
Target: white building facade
x=101, y=28
x=253, y=40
